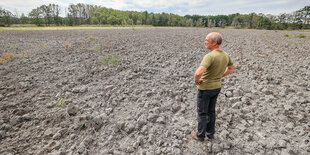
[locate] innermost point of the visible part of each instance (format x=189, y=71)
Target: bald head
x=215, y=37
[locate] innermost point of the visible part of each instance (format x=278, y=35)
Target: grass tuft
x=44, y=45
x=66, y=44
x=62, y=101
x=91, y=38
x=97, y=47
x=109, y=60
x=25, y=56
x=300, y=36
x=8, y=56
x=2, y=61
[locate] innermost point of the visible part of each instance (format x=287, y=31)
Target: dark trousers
x=206, y=100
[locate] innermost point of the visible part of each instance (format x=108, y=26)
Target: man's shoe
x=210, y=136
x=195, y=137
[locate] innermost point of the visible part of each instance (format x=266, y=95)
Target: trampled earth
x=131, y=91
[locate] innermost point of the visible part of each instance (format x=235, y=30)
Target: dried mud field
x=131, y=91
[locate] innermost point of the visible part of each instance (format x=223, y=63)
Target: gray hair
x=217, y=38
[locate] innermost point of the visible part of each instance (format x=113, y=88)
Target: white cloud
x=164, y=4
x=181, y=7
x=258, y=3
x=225, y=7
x=25, y=6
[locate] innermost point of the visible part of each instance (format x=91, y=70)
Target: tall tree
x=47, y=14
x=36, y=16
x=5, y=17
x=80, y=13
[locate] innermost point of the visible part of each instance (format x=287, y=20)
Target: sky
x=180, y=7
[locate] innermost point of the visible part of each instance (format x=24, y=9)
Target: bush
x=286, y=35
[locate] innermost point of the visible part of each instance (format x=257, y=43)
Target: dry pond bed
x=131, y=91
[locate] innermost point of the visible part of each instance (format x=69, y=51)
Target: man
x=213, y=67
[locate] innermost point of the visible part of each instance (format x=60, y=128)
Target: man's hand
x=228, y=70
x=198, y=74
x=199, y=81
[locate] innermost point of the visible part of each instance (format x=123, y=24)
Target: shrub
x=286, y=35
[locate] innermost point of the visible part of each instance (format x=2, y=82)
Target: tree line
x=85, y=14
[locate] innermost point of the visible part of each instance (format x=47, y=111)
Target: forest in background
x=85, y=14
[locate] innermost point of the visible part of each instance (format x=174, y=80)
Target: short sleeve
x=206, y=61
x=230, y=62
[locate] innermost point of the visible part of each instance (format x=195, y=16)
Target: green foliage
x=263, y=23
x=45, y=15
x=25, y=56
x=300, y=36
x=109, y=60
x=62, y=101
x=85, y=14
x=113, y=60
x=296, y=36
x=25, y=59
x=5, y=17
x=113, y=20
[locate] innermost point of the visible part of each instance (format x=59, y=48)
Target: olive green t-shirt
x=215, y=63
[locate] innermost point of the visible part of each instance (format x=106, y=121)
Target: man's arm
x=229, y=69
x=198, y=74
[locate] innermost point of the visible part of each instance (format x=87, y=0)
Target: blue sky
x=180, y=7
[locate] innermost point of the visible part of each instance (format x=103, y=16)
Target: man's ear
x=214, y=43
